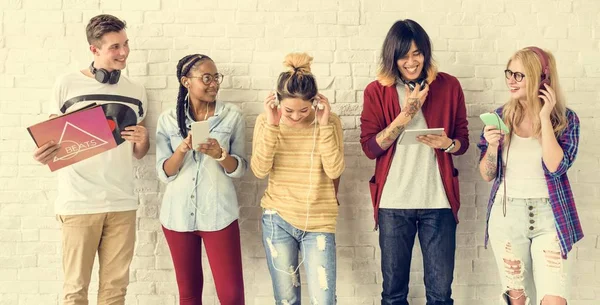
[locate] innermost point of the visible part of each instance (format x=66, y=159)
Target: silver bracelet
x=451, y=147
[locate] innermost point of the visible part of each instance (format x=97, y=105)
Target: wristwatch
x=449, y=148
x=223, y=155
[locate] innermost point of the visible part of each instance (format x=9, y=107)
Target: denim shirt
x=201, y=196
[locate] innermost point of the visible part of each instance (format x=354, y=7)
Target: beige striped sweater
x=284, y=154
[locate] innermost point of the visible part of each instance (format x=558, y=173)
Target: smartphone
x=492, y=118
x=200, y=133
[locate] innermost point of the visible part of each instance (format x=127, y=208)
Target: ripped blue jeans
x=283, y=243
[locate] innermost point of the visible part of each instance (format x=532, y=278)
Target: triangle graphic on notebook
x=84, y=141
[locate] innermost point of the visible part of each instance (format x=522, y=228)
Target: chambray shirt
x=201, y=196
x=568, y=227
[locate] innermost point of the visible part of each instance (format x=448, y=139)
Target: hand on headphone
x=413, y=100
x=273, y=112
x=549, y=98
x=137, y=134
x=323, y=111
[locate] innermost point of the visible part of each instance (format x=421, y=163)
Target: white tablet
x=200, y=133
x=409, y=136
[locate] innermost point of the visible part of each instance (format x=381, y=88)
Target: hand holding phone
x=493, y=119
x=494, y=129
x=200, y=133
x=492, y=135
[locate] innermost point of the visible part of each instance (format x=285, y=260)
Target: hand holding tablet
x=409, y=136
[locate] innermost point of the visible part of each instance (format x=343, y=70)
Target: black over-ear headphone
x=413, y=84
x=104, y=76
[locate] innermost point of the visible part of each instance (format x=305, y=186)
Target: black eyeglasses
x=208, y=78
x=517, y=75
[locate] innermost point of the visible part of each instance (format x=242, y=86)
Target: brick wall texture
x=472, y=39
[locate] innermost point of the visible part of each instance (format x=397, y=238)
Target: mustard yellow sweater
x=284, y=154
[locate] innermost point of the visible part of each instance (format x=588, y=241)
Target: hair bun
x=298, y=63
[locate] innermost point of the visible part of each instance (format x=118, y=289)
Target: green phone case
x=492, y=118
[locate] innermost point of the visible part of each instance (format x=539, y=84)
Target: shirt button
x=530, y=214
x=531, y=228
x=530, y=208
x=531, y=221
x=193, y=179
x=191, y=214
x=192, y=196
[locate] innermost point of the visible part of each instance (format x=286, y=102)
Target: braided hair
x=184, y=66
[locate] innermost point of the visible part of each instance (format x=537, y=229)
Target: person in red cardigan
x=415, y=187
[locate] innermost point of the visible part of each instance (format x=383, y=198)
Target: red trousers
x=225, y=258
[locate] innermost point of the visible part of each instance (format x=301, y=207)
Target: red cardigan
x=444, y=107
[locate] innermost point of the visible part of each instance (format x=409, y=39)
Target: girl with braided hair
x=200, y=203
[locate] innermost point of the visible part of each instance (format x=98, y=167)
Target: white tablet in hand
x=200, y=133
x=409, y=136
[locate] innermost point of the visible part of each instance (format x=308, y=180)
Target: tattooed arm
x=488, y=166
x=489, y=143
x=376, y=135
x=386, y=137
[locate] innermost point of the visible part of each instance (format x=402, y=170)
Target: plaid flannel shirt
x=568, y=227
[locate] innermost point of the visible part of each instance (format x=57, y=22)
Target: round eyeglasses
x=207, y=79
x=517, y=75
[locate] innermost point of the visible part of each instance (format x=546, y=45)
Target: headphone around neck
x=105, y=77
x=412, y=84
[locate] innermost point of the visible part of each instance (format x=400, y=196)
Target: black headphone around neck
x=412, y=84
x=103, y=76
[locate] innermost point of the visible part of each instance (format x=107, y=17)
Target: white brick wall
x=40, y=39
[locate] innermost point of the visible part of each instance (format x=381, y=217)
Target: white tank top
x=524, y=174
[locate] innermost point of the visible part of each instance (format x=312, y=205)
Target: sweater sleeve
x=461, y=128
x=370, y=125
x=264, y=145
x=331, y=147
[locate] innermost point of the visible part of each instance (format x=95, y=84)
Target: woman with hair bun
x=298, y=144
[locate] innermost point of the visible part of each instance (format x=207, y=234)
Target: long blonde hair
x=514, y=112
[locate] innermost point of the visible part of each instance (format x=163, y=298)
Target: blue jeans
x=282, y=243
x=437, y=235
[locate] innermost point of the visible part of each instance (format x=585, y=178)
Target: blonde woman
x=532, y=218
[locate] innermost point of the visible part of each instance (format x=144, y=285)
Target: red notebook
x=81, y=134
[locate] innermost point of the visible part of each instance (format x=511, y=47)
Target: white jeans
x=527, y=249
